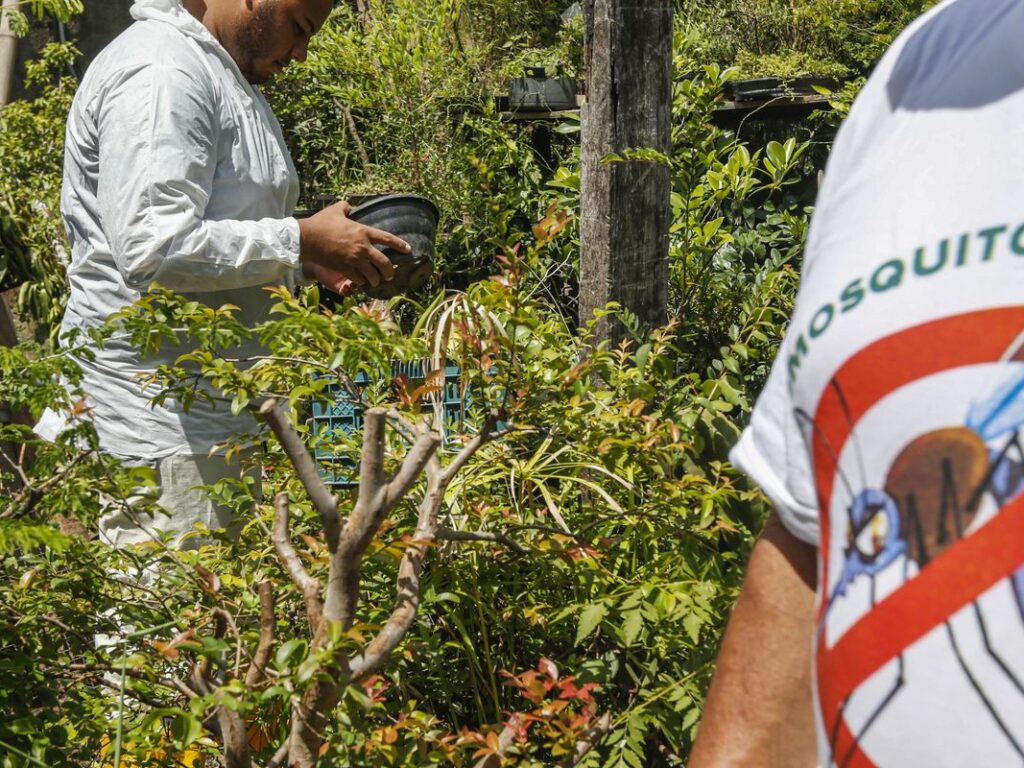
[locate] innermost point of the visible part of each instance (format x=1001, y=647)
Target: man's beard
x=253, y=39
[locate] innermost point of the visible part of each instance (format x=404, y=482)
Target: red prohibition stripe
x=961, y=573
x=954, y=579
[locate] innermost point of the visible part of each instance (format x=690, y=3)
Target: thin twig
x=589, y=739
x=450, y=534
x=506, y=739
x=306, y=470
x=280, y=756
x=257, y=669
x=351, y=125
x=171, y=683
x=479, y=439
x=308, y=586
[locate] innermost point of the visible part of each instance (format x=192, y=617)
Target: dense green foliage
x=403, y=99
x=31, y=159
x=798, y=37
x=614, y=529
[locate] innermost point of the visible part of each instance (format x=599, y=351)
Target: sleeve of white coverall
x=157, y=135
x=774, y=452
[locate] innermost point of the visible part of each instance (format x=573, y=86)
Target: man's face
x=267, y=35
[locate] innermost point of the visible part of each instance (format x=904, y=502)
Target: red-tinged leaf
x=553, y=708
x=211, y=581
x=166, y=649
x=316, y=546
x=724, y=525
x=547, y=667
x=402, y=387
x=574, y=373
x=433, y=383
x=79, y=408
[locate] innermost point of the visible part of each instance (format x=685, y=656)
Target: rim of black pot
x=404, y=197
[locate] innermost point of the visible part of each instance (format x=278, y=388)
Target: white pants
x=185, y=505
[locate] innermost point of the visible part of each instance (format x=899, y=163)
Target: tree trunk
x=8, y=51
x=101, y=23
x=625, y=207
x=8, y=338
x=8, y=57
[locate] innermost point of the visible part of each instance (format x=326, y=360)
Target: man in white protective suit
x=176, y=172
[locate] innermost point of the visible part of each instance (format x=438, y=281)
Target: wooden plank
x=731, y=113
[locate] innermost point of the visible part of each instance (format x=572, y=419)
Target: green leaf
x=289, y=651
x=590, y=618
x=632, y=623
x=692, y=623
x=185, y=730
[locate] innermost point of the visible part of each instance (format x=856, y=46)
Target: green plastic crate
x=344, y=416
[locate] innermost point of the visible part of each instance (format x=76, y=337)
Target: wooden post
x=625, y=207
x=100, y=24
x=8, y=50
x=8, y=333
x=8, y=338
x=8, y=57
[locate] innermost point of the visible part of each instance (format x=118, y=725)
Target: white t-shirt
x=887, y=433
x=175, y=172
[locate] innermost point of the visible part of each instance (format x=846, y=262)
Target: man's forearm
x=759, y=709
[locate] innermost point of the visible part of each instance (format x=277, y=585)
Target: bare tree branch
x=309, y=586
x=589, y=739
x=406, y=604
x=306, y=470
x=414, y=464
x=350, y=122
x=371, y=466
x=506, y=739
x=474, y=445
x=449, y=534
x=235, y=737
x=280, y=756
x=258, y=668
x=374, y=502
x=376, y=498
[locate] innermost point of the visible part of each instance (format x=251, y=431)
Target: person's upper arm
x=773, y=452
x=158, y=136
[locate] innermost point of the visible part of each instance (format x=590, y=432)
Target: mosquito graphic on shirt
x=931, y=495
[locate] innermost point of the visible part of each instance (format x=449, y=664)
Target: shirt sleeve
x=158, y=135
x=774, y=453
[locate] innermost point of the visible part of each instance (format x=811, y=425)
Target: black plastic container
x=536, y=92
x=412, y=218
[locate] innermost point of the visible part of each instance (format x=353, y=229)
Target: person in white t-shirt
x=888, y=435
x=176, y=172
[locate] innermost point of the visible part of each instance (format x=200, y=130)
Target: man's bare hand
x=333, y=246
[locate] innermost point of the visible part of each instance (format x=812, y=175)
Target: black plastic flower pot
x=536, y=92
x=412, y=218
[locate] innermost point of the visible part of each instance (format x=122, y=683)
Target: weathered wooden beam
x=625, y=206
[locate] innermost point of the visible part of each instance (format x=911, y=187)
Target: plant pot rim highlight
x=371, y=202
